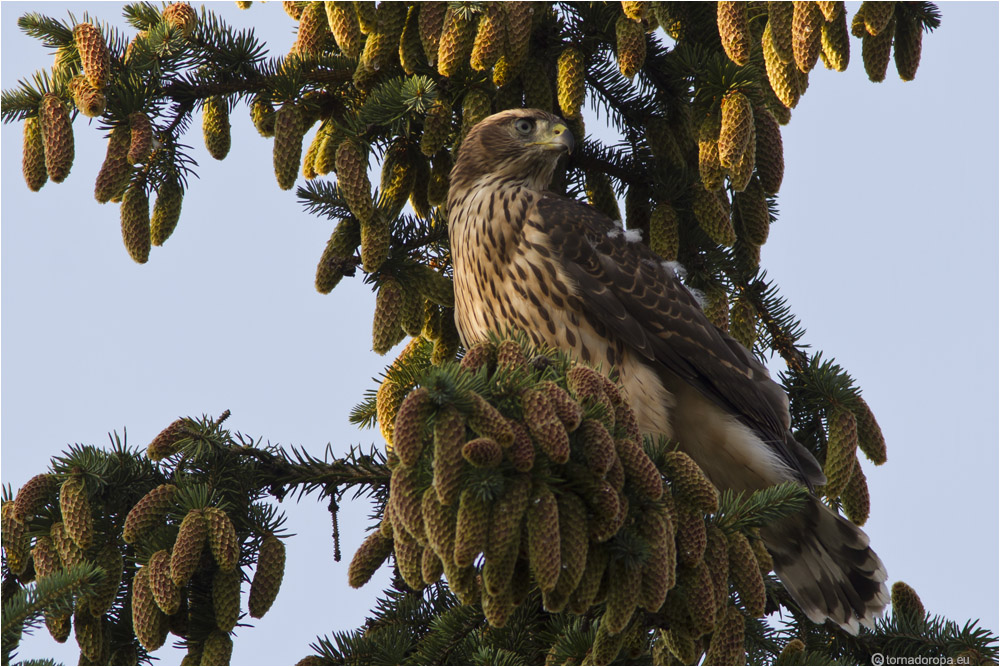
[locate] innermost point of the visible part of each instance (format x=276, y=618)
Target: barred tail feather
x=825, y=563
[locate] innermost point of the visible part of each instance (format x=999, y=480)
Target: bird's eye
x=524, y=126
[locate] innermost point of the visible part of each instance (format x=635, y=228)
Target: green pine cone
x=783, y=76
x=386, y=324
x=411, y=51
x=624, y=588
x=734, y=29
x=69, y=553
x=188, y=547
x=222, y=539
x=607, y=644
x=743, y=322
x=410, y=561
x=314, y=31
x=116, y=171
x=906, y=47
x=664, y=231
x=870, y=439
x=94, y=55
x=631, y=46
x=90, y=637
x=855, y=499
x=770, y=160
x=573, y=542
x=543, y=537
x=875, y=52
x=226, y=598
x=57, y=135
x=726, y=645
x=135, y=223
x=218, y=649
x=593, y=572
x=289, y=128
x=343, y=22
x=491, y=38
x=906, y=603
x=571, y=89
x=267, y=578
x=449, y=435
x=33, y=160
x=215, y=126
x=712, y=216
x=544, y=425
x=601, y=195
x=140, y=137
x=439, y=526
x=263, y=116
x=475, y=107
x=639, y=468
x=471, y=527
x=398, y=177
x=352, y=176
x=807, y=30
x=406, y=499
x=431, y=567
x=148, y=513
x=181, y=16
x=338, y=256
x=166, y=212
x=736, y=130
x=435, y=286
x=148, y=620
x=458, y=34
x=779, y=19
x=877, y=16
x=482, y=452
x=166, y=593
x=504, y=538
x=841, y=446
x=437, y=127
x=368, y=559
x=744, y=572
x=74, y=506
x=90, y=101
x=689, y=483
x=691, y=535
x=709, y=163
x=429, y=24
x=110, y=560
x=33, y=496
x=14, y=535
x=519, y=27
x=659, y=570
x=836, y=42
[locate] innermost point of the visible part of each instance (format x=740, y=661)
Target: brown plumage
x=528, y=259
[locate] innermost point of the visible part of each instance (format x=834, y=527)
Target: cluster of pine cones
x=187, y=564
x=520, y=470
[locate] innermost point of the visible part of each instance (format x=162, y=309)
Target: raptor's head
x=521, y=144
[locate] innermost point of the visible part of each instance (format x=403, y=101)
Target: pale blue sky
x=886, y=248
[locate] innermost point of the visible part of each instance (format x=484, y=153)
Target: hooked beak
x=559, y=138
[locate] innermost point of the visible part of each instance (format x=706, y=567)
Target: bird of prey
x=528, y=259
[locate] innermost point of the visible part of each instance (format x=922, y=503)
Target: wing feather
x=626, y=290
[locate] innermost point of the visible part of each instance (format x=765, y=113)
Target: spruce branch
x=22, y=611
